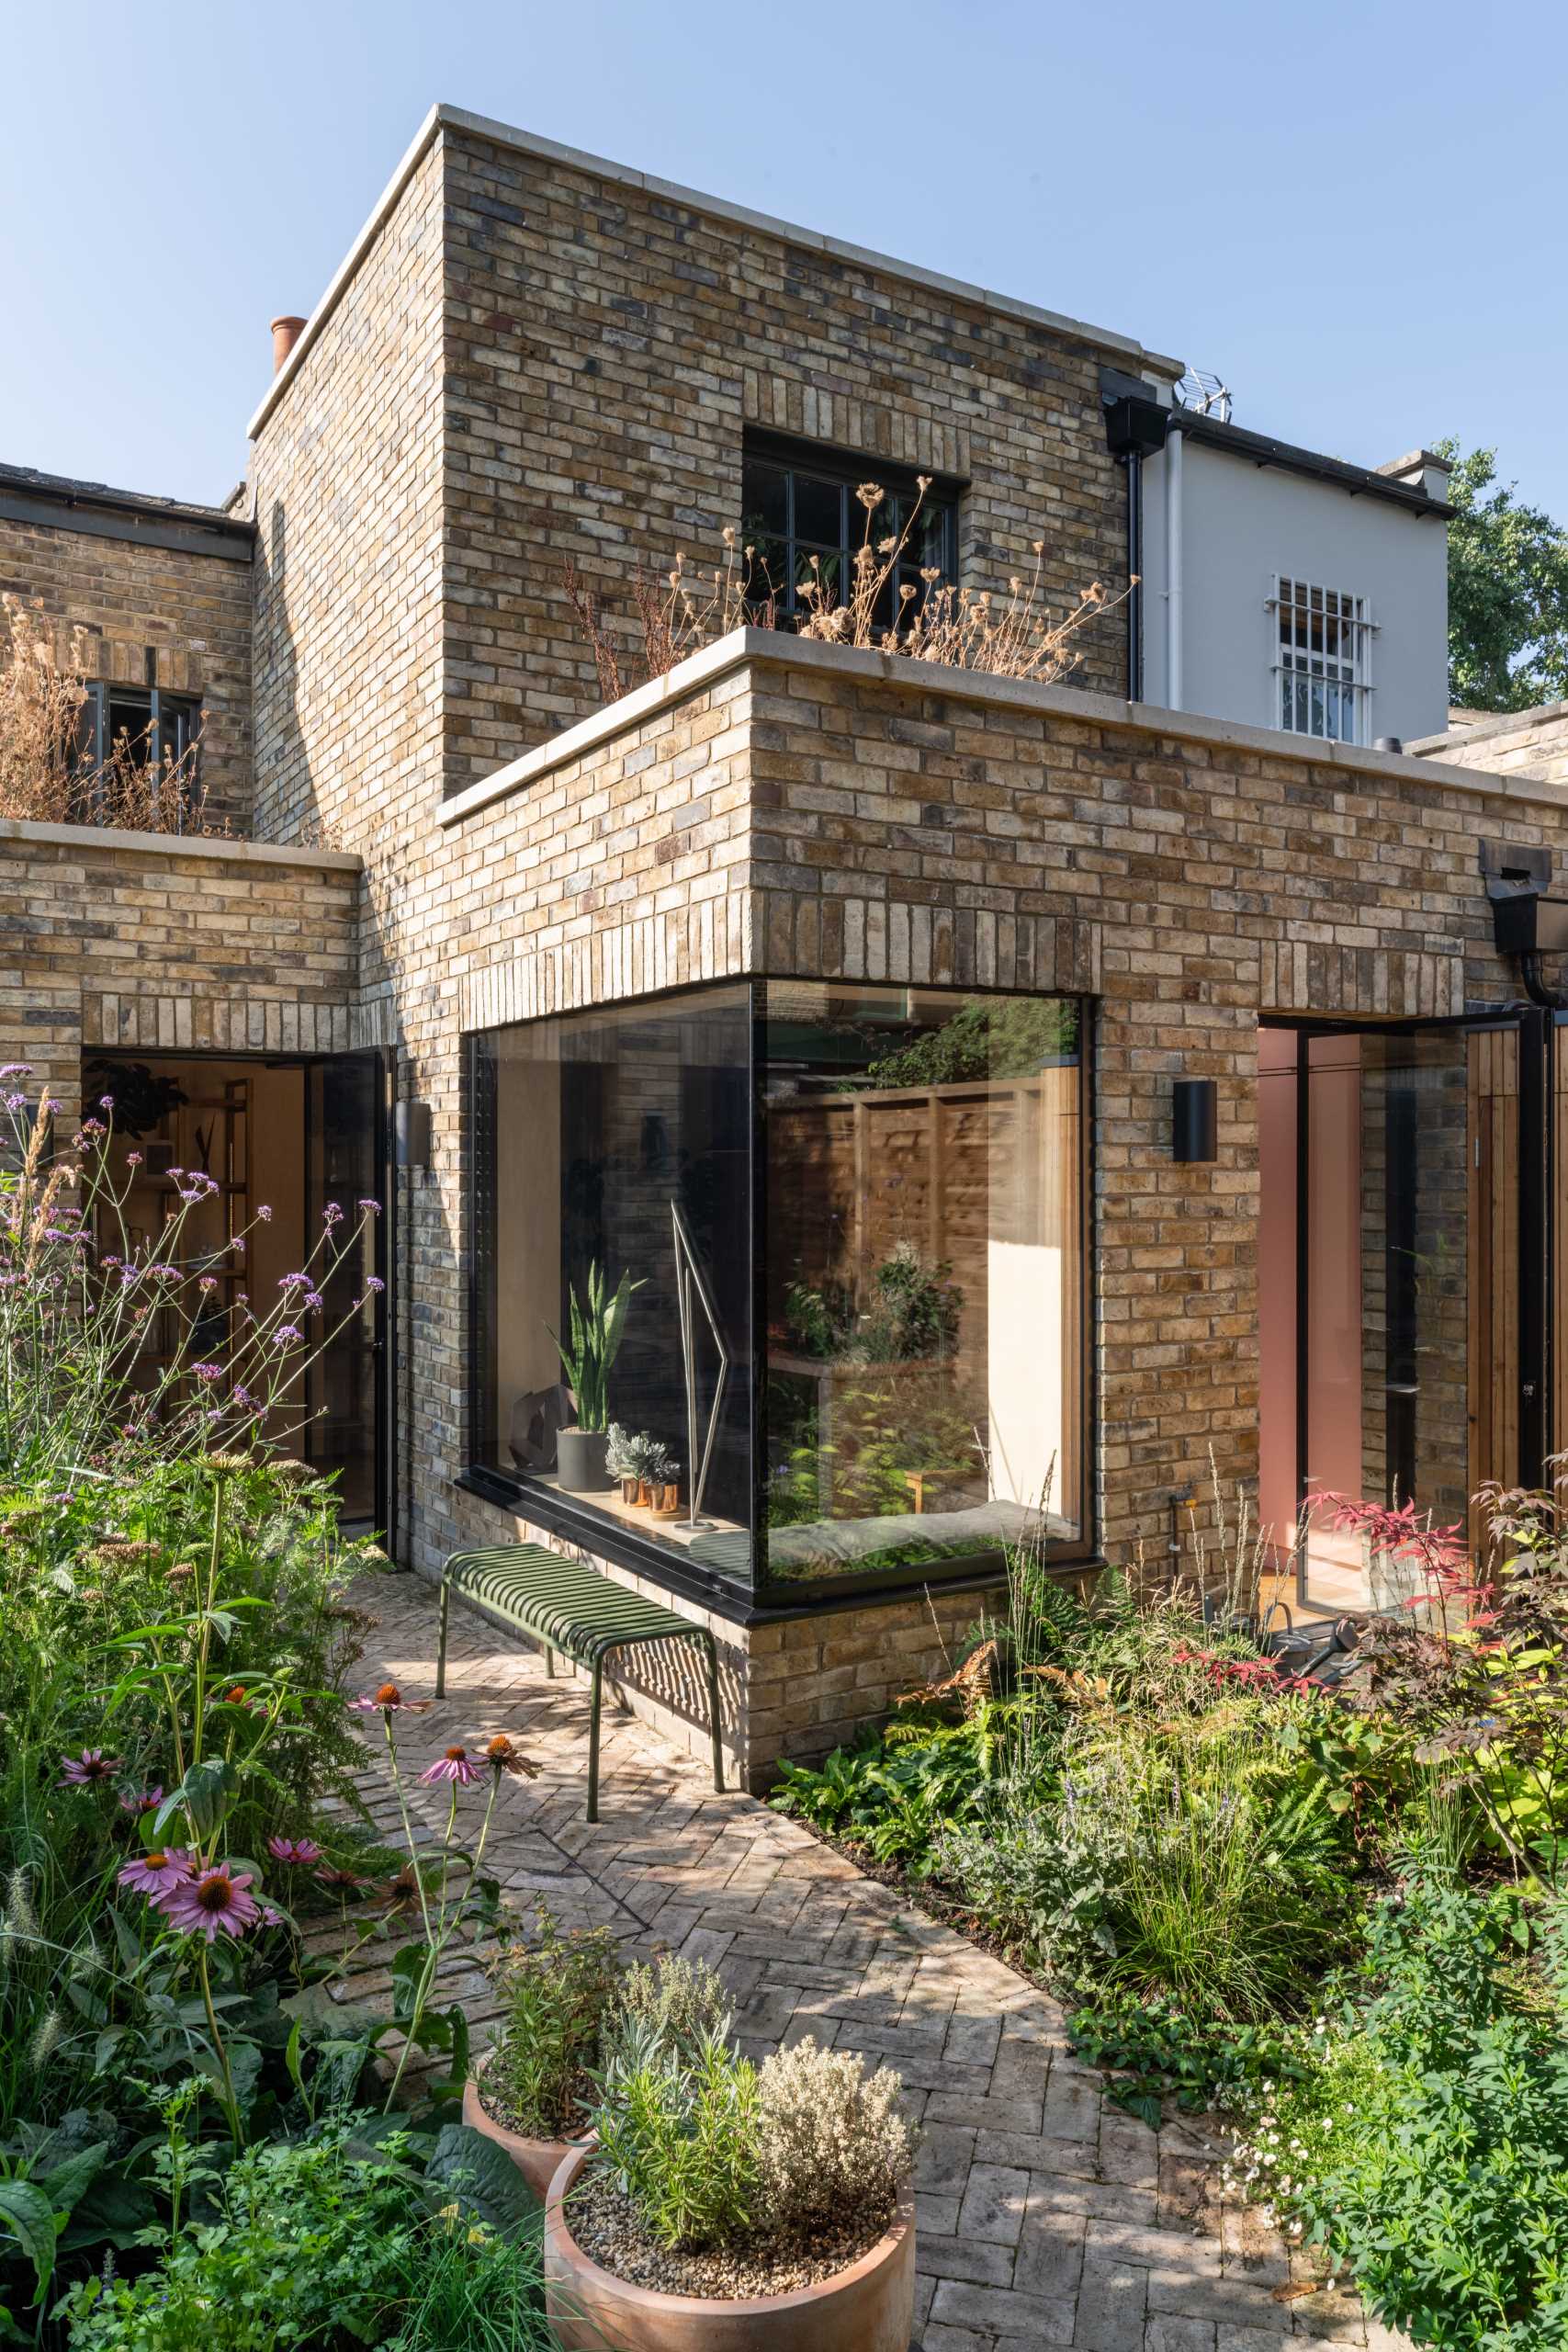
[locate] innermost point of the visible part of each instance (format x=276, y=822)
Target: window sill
x=601, y=1535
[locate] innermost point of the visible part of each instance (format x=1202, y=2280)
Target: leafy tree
x=1508, y=591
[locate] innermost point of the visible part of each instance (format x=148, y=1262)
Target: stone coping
x=502, y=134
x=25, y=831
x=1492, y=722
x=778, y=649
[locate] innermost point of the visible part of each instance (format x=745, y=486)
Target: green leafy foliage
x=330, y=2240
x=678, y=2131
x=556, y=1992
x=597, y=1327
x=1421, y=2135
x=1507, y=591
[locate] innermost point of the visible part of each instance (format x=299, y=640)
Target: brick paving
x=1046, y=2215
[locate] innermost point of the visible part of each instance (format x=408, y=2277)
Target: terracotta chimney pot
x=286, y=333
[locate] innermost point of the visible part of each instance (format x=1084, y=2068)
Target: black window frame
x=808, y=462
x=172, y=725
x=610, y=1538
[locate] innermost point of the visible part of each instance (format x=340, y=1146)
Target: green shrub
x=679, y=2004
x=1423, y=2144
x=678, y=2131
x=558, y=1993
x=833, y=2150
x=331, y=2240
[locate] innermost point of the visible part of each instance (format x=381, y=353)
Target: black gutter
x=93, y=508
x=1360, y=481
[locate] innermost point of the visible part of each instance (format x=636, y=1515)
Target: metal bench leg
x=712, y=1648
x=594, y=1712
x=441, y=1654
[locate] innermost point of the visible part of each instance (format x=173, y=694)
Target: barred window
x=1323, y=662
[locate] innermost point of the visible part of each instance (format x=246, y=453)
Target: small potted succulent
x=597, y=1328
x=528, y=2091
x=620, y=1461
x=667, y=1491
x=641, y=1463
x=722, y=2205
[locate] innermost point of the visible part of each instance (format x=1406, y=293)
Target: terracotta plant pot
x=870, y=2307
x=538, y=2161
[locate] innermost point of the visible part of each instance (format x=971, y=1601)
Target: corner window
x=803, y=521
x=1323, y=661
x=832, y=1237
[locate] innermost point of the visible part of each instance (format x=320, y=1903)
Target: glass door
x=1402, y=1254
x=346, y=1163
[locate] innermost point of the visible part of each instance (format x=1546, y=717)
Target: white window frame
x=1321, y=689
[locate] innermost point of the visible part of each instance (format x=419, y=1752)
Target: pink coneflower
x=82, y=1771
x=503, y=1756
x=215, y=1898
x=157, y=1874
x=141, y=1800
x=389, y=1701
x=453, y=1765
x=271, y=1917
x=329, y=1874
x=302, y=1850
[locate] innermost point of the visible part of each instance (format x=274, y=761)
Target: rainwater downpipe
x=1173, y=568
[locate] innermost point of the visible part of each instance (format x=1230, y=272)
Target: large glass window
x=612, y=1155
x=845, y=1225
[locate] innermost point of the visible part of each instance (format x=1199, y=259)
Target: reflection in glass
x=588, y=1130
x=924, y=1276
x=1383, y=1257
x=915, y=1156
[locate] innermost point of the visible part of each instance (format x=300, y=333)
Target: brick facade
x=177, y=617
x=138, y=939
x=529, y=359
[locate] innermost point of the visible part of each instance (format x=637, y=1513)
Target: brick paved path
x=1046, y=2214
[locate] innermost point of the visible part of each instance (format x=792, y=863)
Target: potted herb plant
x=598, y=1325
x=528, y=2092
x=724, y=2207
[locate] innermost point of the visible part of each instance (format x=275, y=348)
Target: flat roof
x=525, y=143
x=28, y=495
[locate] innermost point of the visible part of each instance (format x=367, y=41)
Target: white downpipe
x=1173, y=570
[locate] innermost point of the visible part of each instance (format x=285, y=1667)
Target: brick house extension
x=857, y=1011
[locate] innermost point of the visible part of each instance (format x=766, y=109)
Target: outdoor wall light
x=1194, y=1119
x=411, y=1134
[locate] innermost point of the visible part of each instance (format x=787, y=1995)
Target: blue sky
x=1354, y=214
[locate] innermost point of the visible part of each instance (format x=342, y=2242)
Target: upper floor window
x=803, y=521
x=136, y=755
x=1323, y=662
x=155, y=728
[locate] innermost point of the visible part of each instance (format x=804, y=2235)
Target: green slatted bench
x=570, y=1606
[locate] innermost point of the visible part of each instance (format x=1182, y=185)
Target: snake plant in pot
x=597, y=1327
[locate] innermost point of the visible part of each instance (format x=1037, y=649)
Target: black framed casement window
x=158, y=727
x=865, y=1205
x=803, y=521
